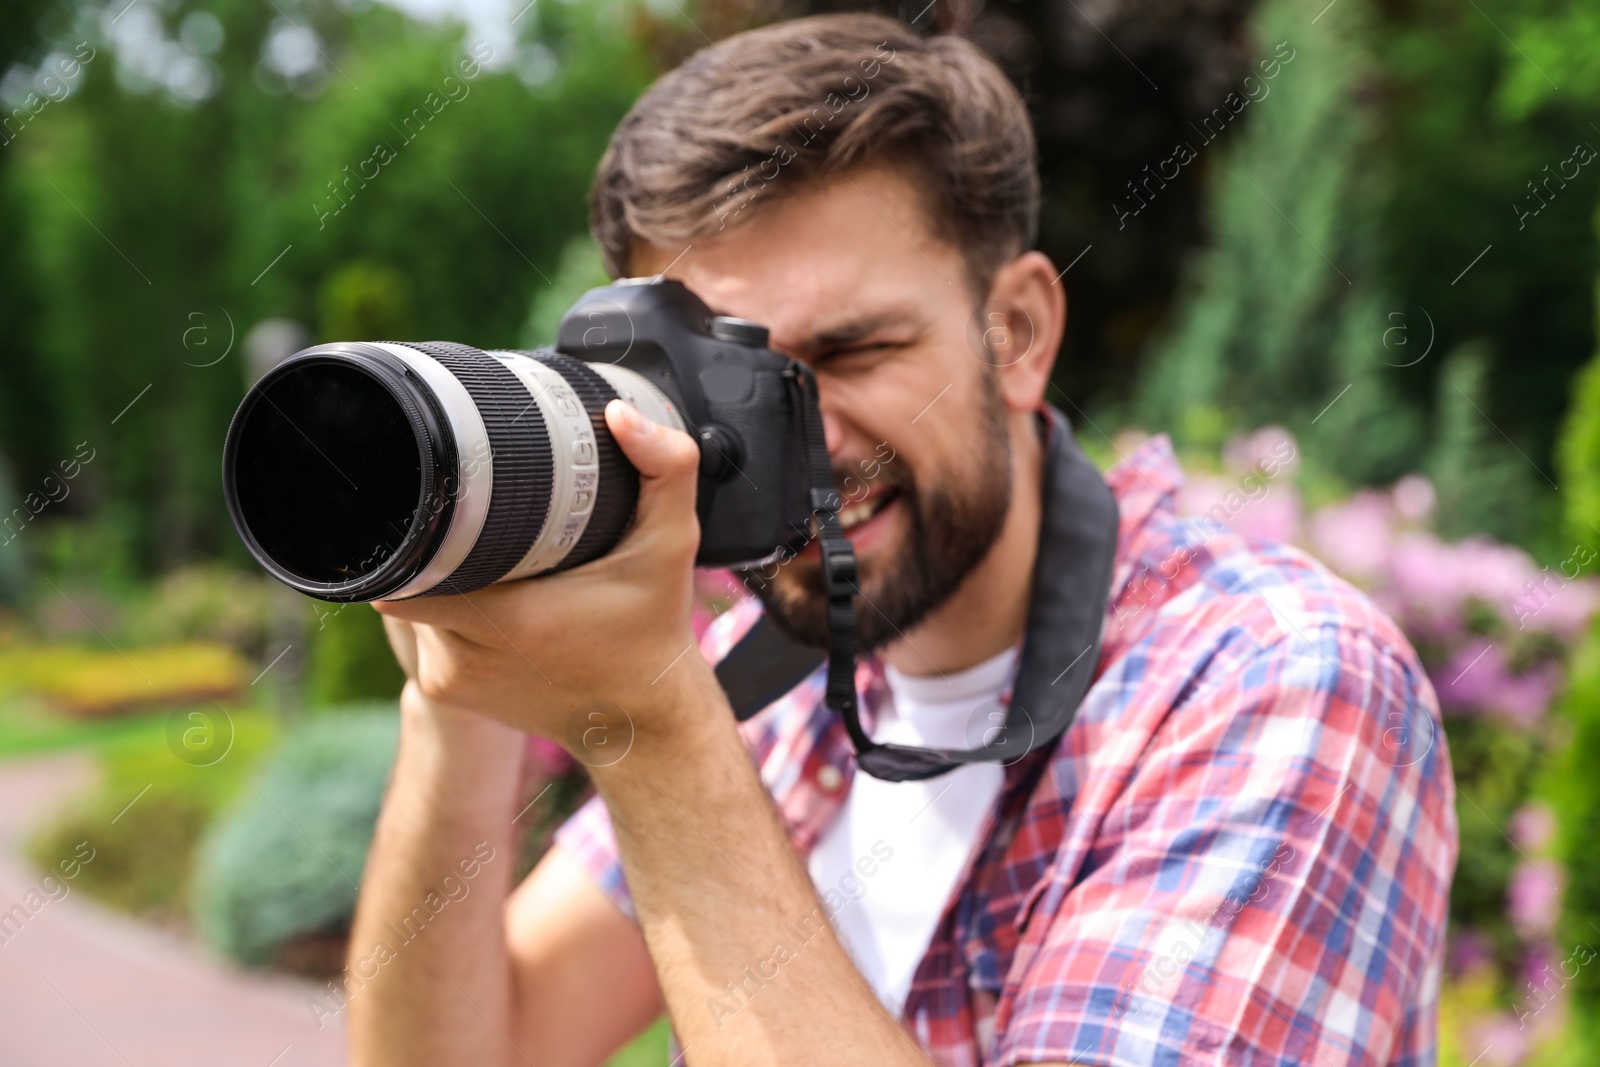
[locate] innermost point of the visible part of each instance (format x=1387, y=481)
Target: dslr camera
x=359, y=471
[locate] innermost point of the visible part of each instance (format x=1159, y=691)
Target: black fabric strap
x=838, y=555
x=763, y=666
x=1071, y=585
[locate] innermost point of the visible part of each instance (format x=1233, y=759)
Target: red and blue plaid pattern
x=1239, y=853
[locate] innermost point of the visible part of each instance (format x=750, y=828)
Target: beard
x=953, y=520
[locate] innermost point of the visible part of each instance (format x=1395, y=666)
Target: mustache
x=855, y=479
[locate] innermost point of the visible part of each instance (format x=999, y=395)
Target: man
x=1238, y=852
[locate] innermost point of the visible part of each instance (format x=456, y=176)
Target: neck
x=989, y=610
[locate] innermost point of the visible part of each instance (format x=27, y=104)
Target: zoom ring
x=519, y=448
x=619, y=479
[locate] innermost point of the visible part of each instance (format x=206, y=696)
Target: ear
x=1023, y=321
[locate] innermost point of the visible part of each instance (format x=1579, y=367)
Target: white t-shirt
x=916, y=837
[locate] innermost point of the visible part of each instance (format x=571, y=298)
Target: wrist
x=461, y=746
x=676, y=727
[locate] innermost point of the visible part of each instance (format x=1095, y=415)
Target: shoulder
x=1249, y=653
x=1194, y=592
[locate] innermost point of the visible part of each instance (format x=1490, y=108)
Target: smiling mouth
x=856, y=514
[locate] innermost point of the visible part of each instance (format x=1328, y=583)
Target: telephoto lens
x=363, y=471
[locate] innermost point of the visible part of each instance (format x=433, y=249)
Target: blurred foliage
x=350, y=657
x=1579, y=799
x=650, y=1050
x=1279, y=312
x=579, y=271
x=245, y=610
x=1484, y=487
x=286, y=859
x=1579, y=453
x=157, y=228
x=91, y=682
x=366, y=302
x=1345, y=219
x=27, y=727
x=1462, y=159
x=145, y=817
x=1578, y=784
x=1495, y=770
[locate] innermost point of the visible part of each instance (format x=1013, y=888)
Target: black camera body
x=735, y=399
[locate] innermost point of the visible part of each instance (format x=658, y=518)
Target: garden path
x=84, y=986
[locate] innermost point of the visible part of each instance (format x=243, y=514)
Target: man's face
x=848, y=278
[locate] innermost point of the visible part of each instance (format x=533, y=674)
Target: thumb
x=668, y=461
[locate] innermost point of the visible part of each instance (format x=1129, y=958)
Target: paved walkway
x=82, y=986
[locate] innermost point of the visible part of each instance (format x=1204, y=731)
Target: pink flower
x=1275, y=517
x=1497, y=1041
x=1533, y=826
x=1470, y=949
x=545, y=758
x=1551, y=605
x=1470, y=678
x=1533, y=897
x=1414, y=498
x=1271, y=448
x=1477, y=679
x=1356, y=537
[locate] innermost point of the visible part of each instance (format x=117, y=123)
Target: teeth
x=856, y=514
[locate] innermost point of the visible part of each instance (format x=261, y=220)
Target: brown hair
x=767, y=111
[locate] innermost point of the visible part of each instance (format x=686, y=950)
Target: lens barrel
x=374, y=471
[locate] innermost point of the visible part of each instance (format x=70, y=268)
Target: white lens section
x=575, y=484
x=637, y=390
x=474, y=470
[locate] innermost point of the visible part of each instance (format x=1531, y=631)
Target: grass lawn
x=159, y=788
x=28, y=728
x=161, y=803
x=650, y=1050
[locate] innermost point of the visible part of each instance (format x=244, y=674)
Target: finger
x=463, y=613
x=403, y=640
x=667, y=460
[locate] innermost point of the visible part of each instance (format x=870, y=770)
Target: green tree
x=159, y=228
x=1282, y=316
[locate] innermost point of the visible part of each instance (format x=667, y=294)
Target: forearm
x=749, y=965
x=428, y=973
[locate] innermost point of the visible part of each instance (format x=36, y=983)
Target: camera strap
x=838, y=554
x=1066, y=613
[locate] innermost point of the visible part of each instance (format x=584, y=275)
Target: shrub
x=92, y=682
x=1578, y=452
x=350, y=658
x=285, y=861
x=221, y=605
x=145, y=816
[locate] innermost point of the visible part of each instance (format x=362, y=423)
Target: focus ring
x=619, y=480
x=519, y=447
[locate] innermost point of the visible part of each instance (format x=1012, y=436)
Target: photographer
x=1257, y=733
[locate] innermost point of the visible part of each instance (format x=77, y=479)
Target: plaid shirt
x=1239, y=852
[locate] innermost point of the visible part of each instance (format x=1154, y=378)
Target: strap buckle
x=826, y=500
x=838, y=569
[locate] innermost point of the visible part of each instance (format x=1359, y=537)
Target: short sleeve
x=1271, y=886
x=587, y=837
